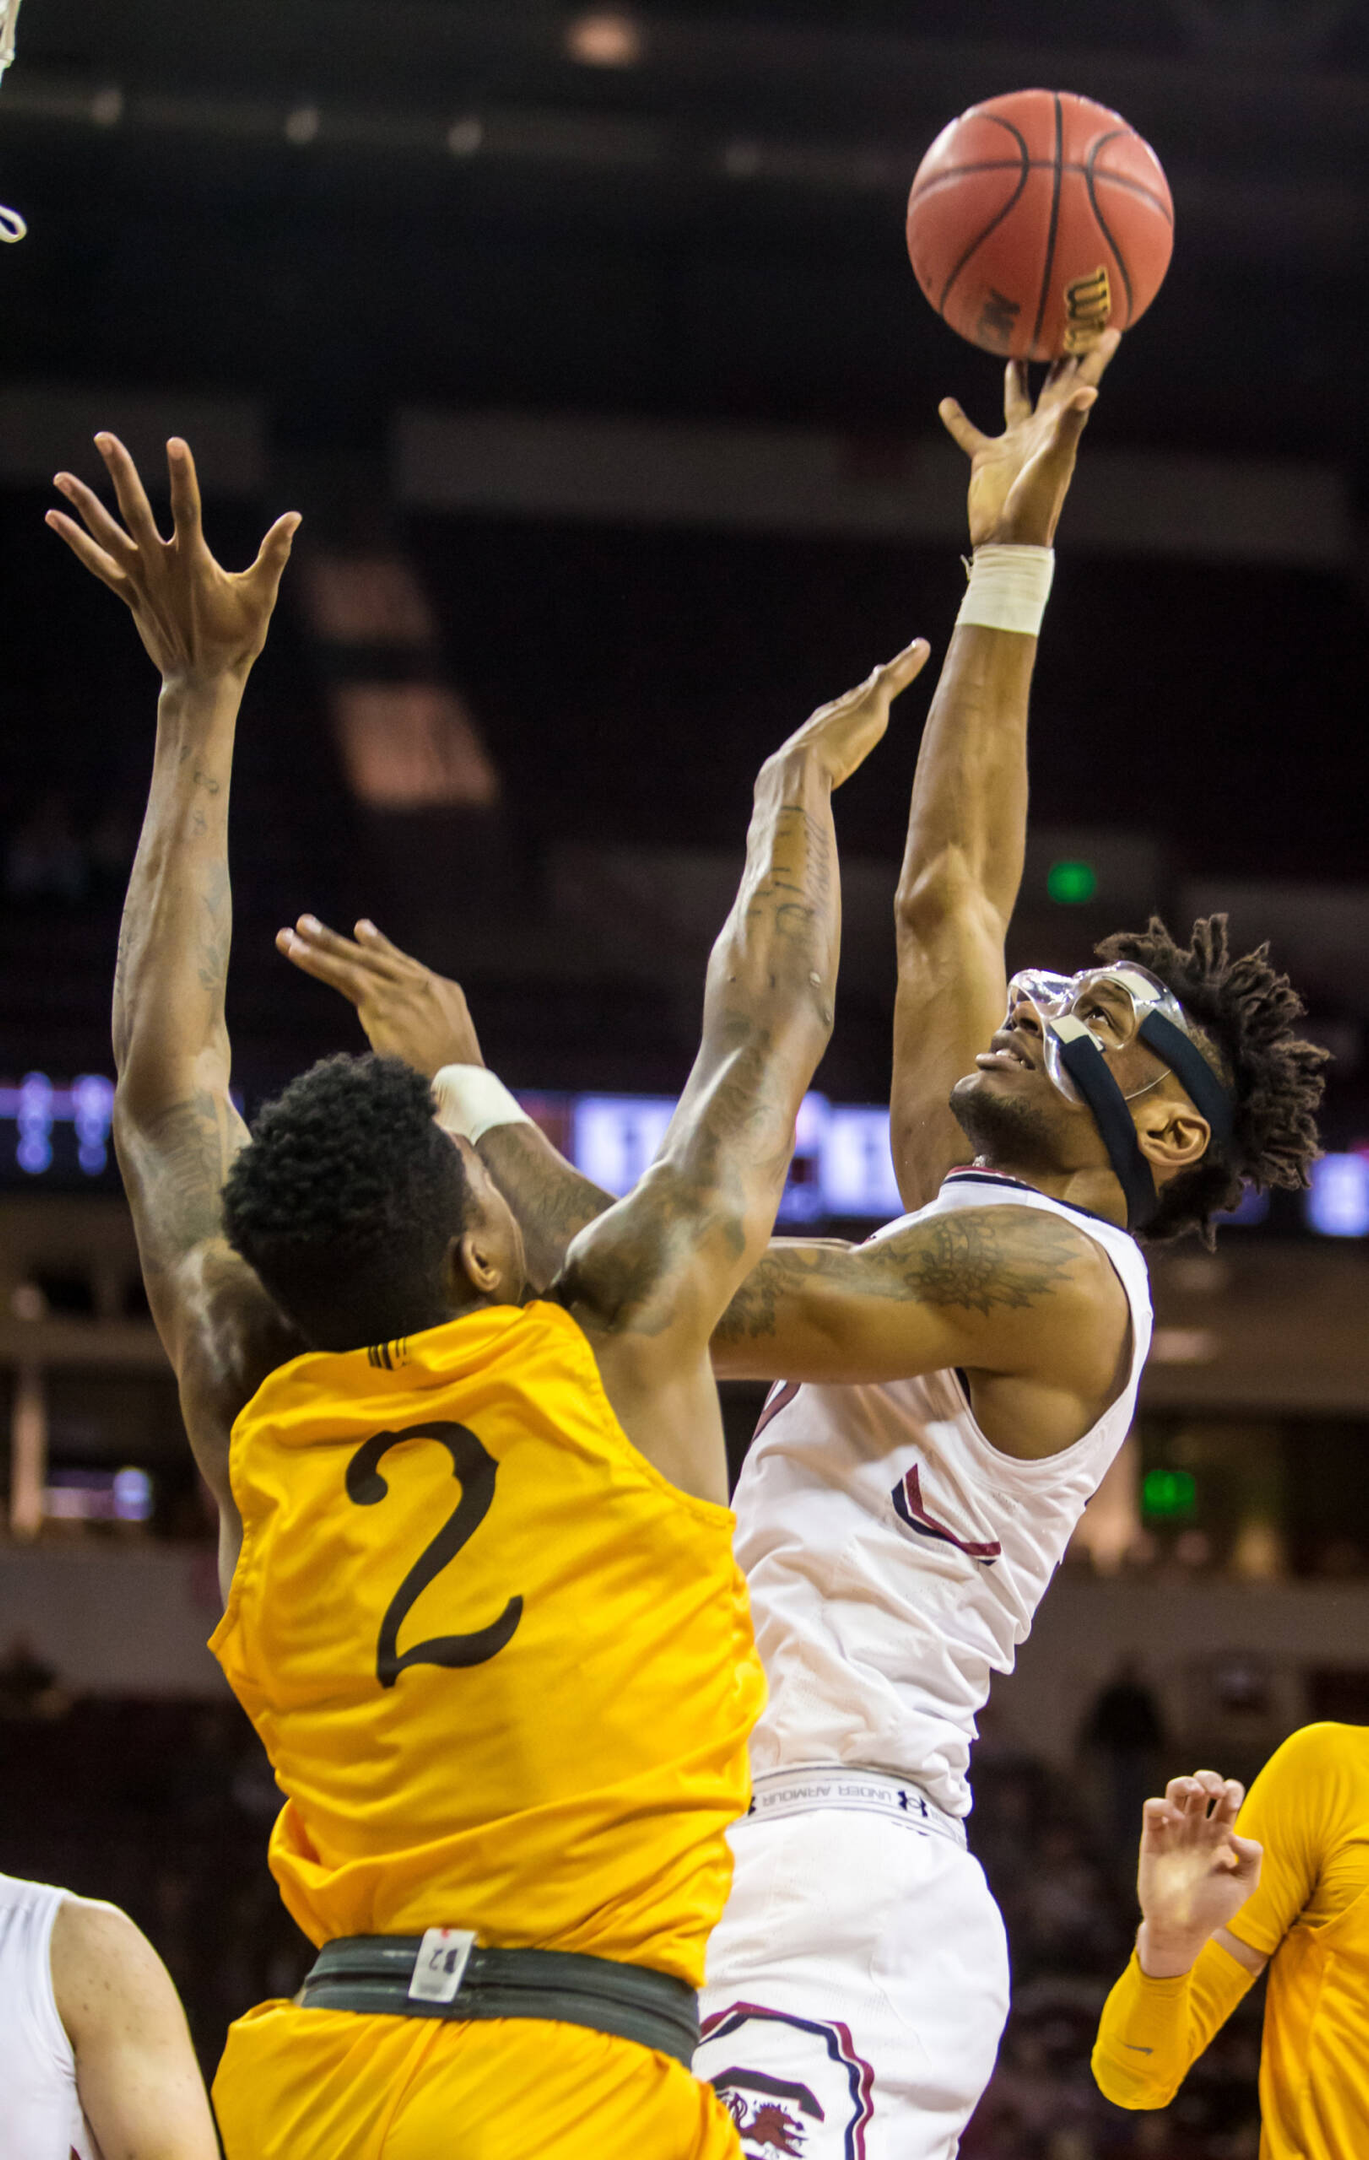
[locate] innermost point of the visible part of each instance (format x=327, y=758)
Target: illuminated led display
x=1338, y=1198
x=1071, y=883
x=1169, y=1495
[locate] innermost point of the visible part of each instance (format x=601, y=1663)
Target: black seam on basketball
x=1102, y=222
x=954, y=172
x=1133, y=187
x=1024, y=171
x=983, y=165
x=1055, y=218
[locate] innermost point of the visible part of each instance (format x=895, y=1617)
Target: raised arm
x=175, y=1127
x=649, y=1278
x=962, y=865
x=1023, y=1302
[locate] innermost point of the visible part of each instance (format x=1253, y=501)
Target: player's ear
x=1173, y=1137
x=478, y=1269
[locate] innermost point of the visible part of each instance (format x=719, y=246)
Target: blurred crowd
x=165, y=1808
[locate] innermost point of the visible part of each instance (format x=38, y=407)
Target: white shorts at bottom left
x=857, y=1988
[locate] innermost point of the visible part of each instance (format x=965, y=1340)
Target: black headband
x=1083, y=1059
x=1186, y=1061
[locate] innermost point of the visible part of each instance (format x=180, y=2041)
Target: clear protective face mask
x=1110, y=1021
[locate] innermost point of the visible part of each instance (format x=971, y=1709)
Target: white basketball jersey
x=40, y=2112
x=896, y=1558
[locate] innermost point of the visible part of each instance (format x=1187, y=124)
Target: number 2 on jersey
x=477, y=1469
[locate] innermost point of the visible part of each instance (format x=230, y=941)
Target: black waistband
x=372, y=1973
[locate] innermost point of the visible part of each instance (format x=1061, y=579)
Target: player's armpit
x=1153, y=2031
x=136, y=2073
x=1002, y=1290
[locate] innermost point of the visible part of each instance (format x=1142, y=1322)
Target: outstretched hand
x=846, y=731
x=198, y=622
x=1019, y=479
x=406, y=1010
x=1195, y=1872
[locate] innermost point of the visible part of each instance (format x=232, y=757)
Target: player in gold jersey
x=481, y=1600
x=1226, y=1889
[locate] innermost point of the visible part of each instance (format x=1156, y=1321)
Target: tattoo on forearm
x=796, y=892
x=729, y=1152
x=215, y=930
x=982, y=1263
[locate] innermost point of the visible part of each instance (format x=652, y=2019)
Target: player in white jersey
x=950, y=1392
x=95, y=2058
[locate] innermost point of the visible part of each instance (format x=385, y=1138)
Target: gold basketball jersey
x=503, y=1669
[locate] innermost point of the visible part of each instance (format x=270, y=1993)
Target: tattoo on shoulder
x=983, y=1261
x=1001, y=1258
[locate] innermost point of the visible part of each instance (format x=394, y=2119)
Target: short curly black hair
x=1246, y=1012
x=347, y=1200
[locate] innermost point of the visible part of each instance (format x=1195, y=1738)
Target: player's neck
x=1095, y=1189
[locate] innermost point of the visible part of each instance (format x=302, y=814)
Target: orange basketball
x=1038, y=219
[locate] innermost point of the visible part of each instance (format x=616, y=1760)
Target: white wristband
x=1009, y=588
x=471, y=1101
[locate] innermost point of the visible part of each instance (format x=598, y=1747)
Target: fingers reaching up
x=326, y=955
x=196, y=620
x=185, y=493
x=1017, y=400
x=129, y=492
x=962, y=431
x=845, y=731
x=406, y=1009
x=1019, y=479
x=1079, y=371
x=104, y=547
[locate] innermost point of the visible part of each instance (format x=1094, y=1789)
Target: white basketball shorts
x=857, y=1985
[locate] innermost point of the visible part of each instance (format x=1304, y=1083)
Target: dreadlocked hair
x=347, y=1200
x=1246, y=1012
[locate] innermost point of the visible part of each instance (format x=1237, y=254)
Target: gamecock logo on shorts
x=795, y=2087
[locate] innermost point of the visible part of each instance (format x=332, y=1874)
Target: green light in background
x=1071, y=883
x=1169, y=1495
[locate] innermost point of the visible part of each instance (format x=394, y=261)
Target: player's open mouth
x=1003, y=1055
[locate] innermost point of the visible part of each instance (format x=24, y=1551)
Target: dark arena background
x=587, y=344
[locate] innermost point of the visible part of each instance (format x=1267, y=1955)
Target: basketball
x=1038, y=219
